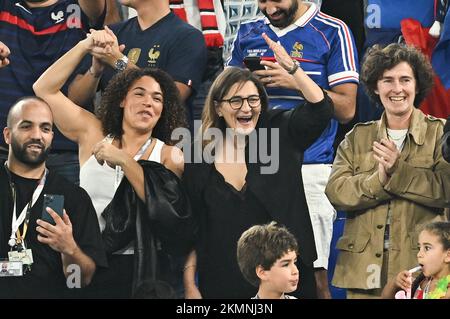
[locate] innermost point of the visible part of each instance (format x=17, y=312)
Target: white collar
x=299, y=23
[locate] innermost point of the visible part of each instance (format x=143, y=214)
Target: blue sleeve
x=187, y=62
x=237, y=56
x=343, y=59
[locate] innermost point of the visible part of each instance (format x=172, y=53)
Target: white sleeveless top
x=99, y=182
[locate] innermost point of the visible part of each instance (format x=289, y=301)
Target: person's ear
x=218, y=111
x=7, y=135
x=261, y=273
x=447, y=256
x=376, y=92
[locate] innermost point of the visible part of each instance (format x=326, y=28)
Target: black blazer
x=281, y=193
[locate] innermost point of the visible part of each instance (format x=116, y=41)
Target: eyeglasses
x=236, y=102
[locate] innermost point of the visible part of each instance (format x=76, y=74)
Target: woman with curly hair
x=136, y=116
x=388, y=175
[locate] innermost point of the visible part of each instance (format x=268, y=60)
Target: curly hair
x=378, y=59
x=111, y=114
x=442, y=231
x=263, y=245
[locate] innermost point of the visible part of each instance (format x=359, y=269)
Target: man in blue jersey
x=155, y=38
x=325, y=49
x=38, y=32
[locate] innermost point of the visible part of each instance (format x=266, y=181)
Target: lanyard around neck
x=119, y=171
x=25, y=214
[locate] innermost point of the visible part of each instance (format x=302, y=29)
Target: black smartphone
x=55, y=202
x=253, y=63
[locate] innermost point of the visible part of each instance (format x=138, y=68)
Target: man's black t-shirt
x=24, y=190
x=46, y=278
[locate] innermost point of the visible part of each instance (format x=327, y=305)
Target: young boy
x=266, y=256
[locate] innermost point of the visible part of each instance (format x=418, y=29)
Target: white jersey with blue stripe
x=325, y=48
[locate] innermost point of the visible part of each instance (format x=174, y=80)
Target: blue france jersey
x=37, y=37
x=325, y=48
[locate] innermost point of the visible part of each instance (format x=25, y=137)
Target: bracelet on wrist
x=294, y=68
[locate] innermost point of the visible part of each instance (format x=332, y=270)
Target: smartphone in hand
x=55, y=202
x=253, y=63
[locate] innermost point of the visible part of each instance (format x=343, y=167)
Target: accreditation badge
x=25, y=256
x=11, y=268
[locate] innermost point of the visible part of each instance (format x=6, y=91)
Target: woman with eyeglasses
x=251, y=176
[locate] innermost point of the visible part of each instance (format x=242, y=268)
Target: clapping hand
x=387, y=155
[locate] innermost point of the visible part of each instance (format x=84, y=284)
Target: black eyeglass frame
x=242, y=101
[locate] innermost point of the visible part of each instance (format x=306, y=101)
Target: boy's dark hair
x=379, y=59
x=263, y=245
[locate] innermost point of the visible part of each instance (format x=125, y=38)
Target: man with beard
x=37, y=33
x=55, y=257
x=324, y=47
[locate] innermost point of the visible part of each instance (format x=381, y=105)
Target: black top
x=24, y=190
x=219, y=274
x=46, y=278
x=280, y=193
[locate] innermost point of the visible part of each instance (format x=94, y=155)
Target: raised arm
x=306, y=122
x=72, y=120
x=311, y=91
x=83, y=88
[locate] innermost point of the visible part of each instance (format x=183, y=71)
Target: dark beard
x=289, y=16
x=23, y=155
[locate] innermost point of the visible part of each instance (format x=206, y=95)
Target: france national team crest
x=297, y=49
x=134, y=54
x=57, y=17
x=153, y=54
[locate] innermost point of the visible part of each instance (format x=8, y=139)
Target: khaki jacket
x=416, y=193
